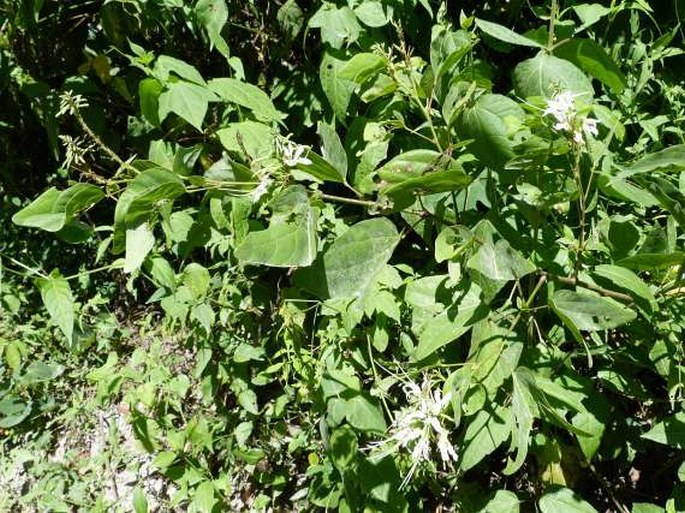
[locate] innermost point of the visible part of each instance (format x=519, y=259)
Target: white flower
x=75, y=150
x=418, y=428
x=562, y=107
x=261, y=189
x=70, y=103
x=292, y=153
x=590, y=125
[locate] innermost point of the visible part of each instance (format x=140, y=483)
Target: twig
x=577, y=282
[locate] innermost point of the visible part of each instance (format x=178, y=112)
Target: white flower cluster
x=70, y=103
x=290, y=153
x=419, y=427
x=75, y=150
x=562, y=107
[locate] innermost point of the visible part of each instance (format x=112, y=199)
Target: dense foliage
x=355, y=255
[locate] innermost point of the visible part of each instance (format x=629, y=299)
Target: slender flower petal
x=418, y=428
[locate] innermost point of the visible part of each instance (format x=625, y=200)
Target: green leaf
x=491, y=122
x=338, y=91
x=372, y=13
x=486, y=432
x=187, y=100
x=290, y=240
x=13, y=411
x=500, y=261
x=149, y=91
x=362, y=67
x=670, y=431
x=649, y=261
x=589, y=56
x=671, y=159
x=419, y=173
x=291, y=18
x=524, y=411
x=139, y=242
x=338, y=24
x=503, y=501
x=203, y=499
x=38, y=372
x=504, y=34
x=544, y=75
x=613, y=276
x=54, y=209
x=247, y=136
x=197, y=278
x=165, y=65
x=365, y=414
x=667, y=194
x=563, y=500
x=332, y=149
x=213, y=15
x=587, y=312
x=139, y=500
x=343, y=446
x=59, y=301
x=465, y=308
x=246, y=95
x=320, y=169
x=353, y=262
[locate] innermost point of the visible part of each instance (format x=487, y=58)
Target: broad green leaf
x=544, y=75
x=203, y=498
x=649, y=261
x=213, y=15
x=420, y=172
x=149, y=90
x=671, y=159
x=338, y=91
x=13, y=411
x=524, y=411
x=563, y=500
x=645, y=507
x=139, y=242
x=246, y=95
x=362, y=67
x=466, y=308
x=144, y=195
x=500, y=261
x=590, y=14
x=38, y=372
x=353, y=262
x=586, y=312
x=320, y=169
x=486, y=432
x=140, y=504
x=667, y=194
x=247, y=136
x=365, y=414
x=502, y=33
x=670, y=431
x=57, y=298
x=290, y=240
x=197, y=278
x=373, y=13
x=626, y=281
x=589, y=56
x=187, y=100
x=491, y=122
x=291, y=18
x=147, y=191
x=343, y=446
x=332, y=149
x=338, y=25
x=54, y=209
x=165, y=65
x=503, y=501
